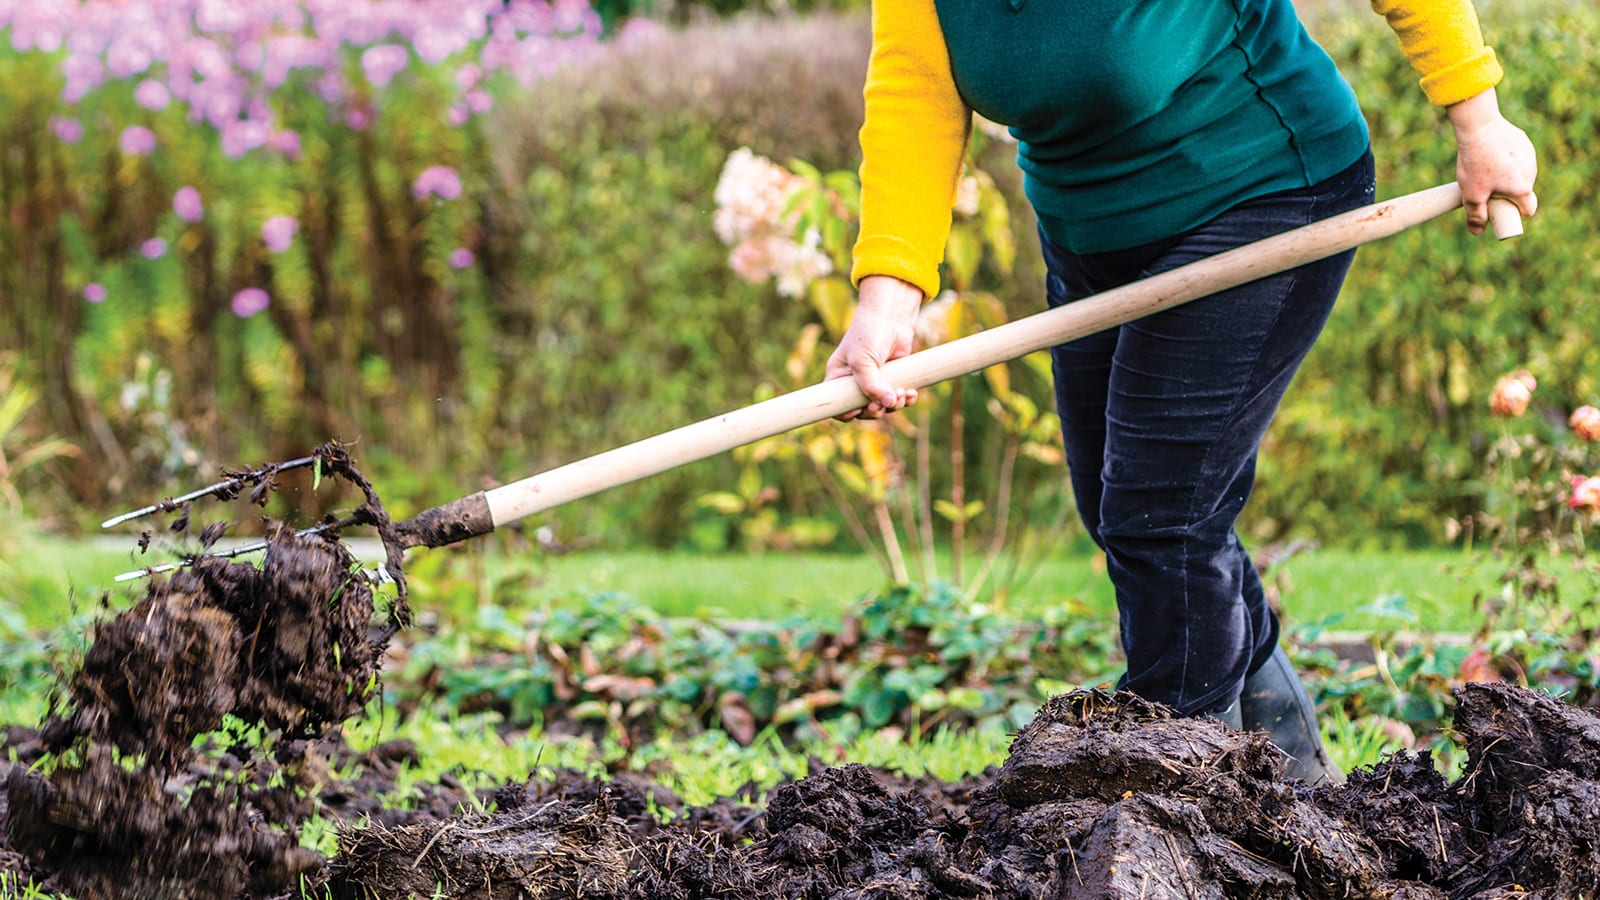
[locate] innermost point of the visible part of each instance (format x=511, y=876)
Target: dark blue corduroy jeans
x=1162, y=419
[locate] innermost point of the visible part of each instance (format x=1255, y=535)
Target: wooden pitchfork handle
x=482, y=512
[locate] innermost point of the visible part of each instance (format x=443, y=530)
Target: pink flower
x=250, y=301
x=382, y=63
x=1585, y=423
x=137, y=140
x=1585, y=493
x=186, y=203
x=68, y=131
x=94, y=292
x=243, y=135
x=152, y=95
x=460, y=258
x=286, y=142
x=441, y=181
x=1512, y=393
x=358, y=118
x=154, y=248
x=279, y=232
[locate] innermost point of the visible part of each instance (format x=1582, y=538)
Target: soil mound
x=1103, y=796
x=127, y=804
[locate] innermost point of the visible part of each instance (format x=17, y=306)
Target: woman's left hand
x=1494, y=158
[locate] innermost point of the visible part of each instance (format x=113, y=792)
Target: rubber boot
x=1229, y=715
x=1275, y=701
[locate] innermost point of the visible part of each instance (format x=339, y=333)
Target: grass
x=47, y=579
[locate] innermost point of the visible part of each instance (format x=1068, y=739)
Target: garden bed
x=193, y=746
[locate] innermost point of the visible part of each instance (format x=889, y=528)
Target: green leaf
x=725, y=502
x=962, y=254
x=850, y=475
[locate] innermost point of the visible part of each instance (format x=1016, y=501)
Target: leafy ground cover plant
x=905, y=659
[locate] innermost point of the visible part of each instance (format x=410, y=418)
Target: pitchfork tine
x=237, y=480
x=229, y=553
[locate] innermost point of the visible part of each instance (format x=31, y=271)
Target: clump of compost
x=128, y=803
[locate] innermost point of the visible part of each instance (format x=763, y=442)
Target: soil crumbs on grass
x=1102, y=795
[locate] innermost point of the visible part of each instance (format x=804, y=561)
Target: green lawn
x=44, y=579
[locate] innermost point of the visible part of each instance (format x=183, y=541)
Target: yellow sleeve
x=1444, y=42
x=913, y=139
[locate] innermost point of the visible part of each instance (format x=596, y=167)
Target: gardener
x=1151, y=135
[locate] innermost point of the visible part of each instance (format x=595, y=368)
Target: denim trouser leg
x=1162, y=419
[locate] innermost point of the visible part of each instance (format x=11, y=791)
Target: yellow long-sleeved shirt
x=1135, y=121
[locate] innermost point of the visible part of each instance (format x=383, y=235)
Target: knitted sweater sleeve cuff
x=883, y=254
x=1444, y=43
x=1465, y=79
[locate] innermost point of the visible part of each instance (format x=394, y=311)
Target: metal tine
x=234, y=483
x=230, y=553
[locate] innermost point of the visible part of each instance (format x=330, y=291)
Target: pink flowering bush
x=309, y=164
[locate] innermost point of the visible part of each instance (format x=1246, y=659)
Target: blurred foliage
x=618, y=315
x=599, y=308
x=1007, y=504
x=1382, y=438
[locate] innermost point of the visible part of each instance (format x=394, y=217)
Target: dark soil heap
x=1103, y=796
x=129, y=807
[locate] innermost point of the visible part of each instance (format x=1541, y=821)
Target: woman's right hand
x=1494, y=158
x=881, y=330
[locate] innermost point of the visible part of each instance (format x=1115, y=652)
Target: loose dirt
x=200, y=730
x=1102, y=796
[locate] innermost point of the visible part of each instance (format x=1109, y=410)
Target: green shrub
x=1382, y=438
x=618, y=316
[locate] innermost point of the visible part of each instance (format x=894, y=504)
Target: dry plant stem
x=930, y=563
x=891, y=542
x=958, y=484
x=908, y=522
x=852, y=522
x=1002, y=516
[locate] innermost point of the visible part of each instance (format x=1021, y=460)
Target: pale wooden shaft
x=1504, y=218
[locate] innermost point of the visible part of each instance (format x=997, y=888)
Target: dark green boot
x=1275, y=701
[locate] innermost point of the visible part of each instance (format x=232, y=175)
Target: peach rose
x=1585, y=423
x=1511, y=394
x=1585, y=493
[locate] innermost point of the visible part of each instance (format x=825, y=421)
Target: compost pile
x=201, y=731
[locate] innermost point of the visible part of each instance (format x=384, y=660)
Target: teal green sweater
x=1139, y=119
